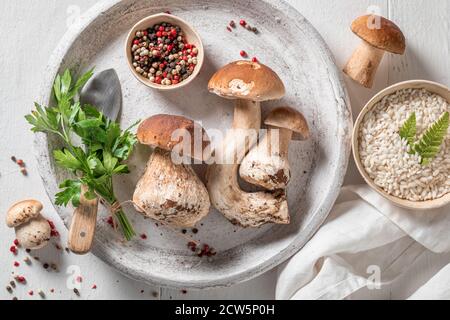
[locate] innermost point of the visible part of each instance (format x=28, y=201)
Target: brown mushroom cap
x=247, y=80
x=289, y=118
x=157, y=131
x=388, y=37
x=22, y=212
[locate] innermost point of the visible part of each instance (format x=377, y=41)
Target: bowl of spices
x=401, y=144
x=164, y=52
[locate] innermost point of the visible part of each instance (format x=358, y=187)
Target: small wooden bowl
x=191, y=36
x=415, y=84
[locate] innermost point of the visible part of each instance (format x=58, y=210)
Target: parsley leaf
x=70, y=192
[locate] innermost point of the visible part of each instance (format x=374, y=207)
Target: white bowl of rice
x=384, y=159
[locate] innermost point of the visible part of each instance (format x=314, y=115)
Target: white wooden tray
x=288, y=44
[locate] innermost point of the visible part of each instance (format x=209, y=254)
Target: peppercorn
x=164, y=55
x=242, y=22
x=243, y=53
x=13, y=249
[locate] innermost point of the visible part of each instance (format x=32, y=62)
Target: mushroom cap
x=162, y=131
x=246, y=80
x=22, y=212
x=289, y=118
x=388, y=37
x=34, y=234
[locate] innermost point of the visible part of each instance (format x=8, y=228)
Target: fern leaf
x=428, y=146
x=408, y=129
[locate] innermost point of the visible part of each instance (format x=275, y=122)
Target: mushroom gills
x=171, y=193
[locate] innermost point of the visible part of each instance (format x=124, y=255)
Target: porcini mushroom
x=378, y=35
x=267, y=164
x=171, y=192
x=32, y=230
x=249, y=83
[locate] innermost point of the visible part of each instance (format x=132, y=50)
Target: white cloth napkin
x=366, y=241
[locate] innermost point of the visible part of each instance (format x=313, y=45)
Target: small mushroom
x=378, y=35
x=267, y=164
x=170, y=192
x=32, y=230
x=249, y=83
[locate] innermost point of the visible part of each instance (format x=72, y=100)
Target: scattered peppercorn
x=51, y=224
x=154, y=294
x=45, y=265
x=229, y=29
x=79, y=279
x=14, y=159
x=9, y=289
x=162, y=54
x=194, y=230
x=15, y=298
x=30, y=292
x=243, y=53
x=16, y=242
x=254, y=59
x=24, y=171
x=242, y=22
x=232, y=24
x=41, y=294
x=143, y=236
x=52, y=290
x=12, y=284
x=16, y=264
x=94, y=286
x=27, y=260
x=21, y=163
x=28, y=250
x=183, y=291
x=76, y=291
x=13, y=249
x=21, y=279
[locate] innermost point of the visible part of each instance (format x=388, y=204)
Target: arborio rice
x=384, y=154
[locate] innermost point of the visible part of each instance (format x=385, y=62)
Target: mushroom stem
x=267, y=164
x=276, y=141
x=170, y=192
x=247, y=115
x=363, y=64
x=242, y=208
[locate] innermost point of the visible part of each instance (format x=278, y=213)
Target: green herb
x=408, y=130
x=428, y=146
x=106, y=146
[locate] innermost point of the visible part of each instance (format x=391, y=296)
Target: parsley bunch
x=106, y=146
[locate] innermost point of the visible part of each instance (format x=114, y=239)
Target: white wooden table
x=30, y=30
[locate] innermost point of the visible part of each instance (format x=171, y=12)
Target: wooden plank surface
x=31, y=30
